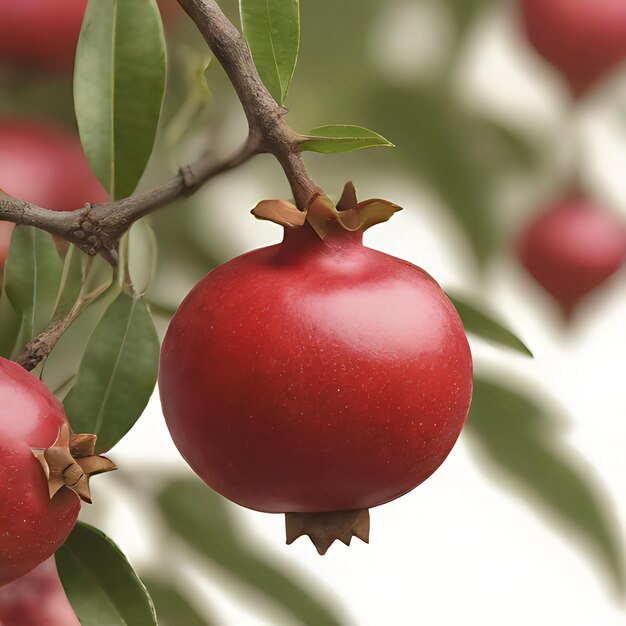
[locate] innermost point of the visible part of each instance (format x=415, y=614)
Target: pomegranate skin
x=583, y=39
x=32, y=526
x=315, y=376
x=571, y=249
x=36, y=599
x=44, y=164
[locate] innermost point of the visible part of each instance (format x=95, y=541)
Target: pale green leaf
x=342, y=138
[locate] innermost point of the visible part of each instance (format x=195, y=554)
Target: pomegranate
x=44, y=164
x=36, y=599
x=45, y=33
x=583, y=39
x=571, y=249
x=316, y=377
x=38, y=505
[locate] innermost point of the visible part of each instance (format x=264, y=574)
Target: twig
x=97, y=229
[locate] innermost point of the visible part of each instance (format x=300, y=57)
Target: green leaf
x=201, y=518
x=33, y=275
x=100, y=583
x=272, y=30
x=117, y=374
x=142, y=256
x=10, y=322
x=71, y=282
x=172, y=607
x=477, y=322
x=517, y=436
x=119, y=80
x=342, y=138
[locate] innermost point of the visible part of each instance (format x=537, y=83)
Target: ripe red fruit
x=571, y=249
x=583, y=39
x=36, y=599
x=44, y=164
x=45, y=33
x=43, y=471
x=315, y=376
x=32, y=525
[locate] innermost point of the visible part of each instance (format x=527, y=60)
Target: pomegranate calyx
x=323, y=529
x=70, y=461
x=321, y=212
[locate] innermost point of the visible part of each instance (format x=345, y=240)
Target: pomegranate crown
x=321, y=212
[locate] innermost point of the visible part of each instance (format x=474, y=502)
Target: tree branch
x=97, y=229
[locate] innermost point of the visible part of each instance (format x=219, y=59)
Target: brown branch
x=97, y=229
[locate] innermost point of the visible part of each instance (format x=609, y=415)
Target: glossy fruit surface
x=37, y=599
x=44, y=33
x=44, y=164
x=32, y=526
x=571, y=249
x=315, y=376
x=583, y=39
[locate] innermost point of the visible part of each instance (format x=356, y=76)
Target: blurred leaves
x=100, y=583
x=117, y=374
x=142, y=256
x=201, y=518
x=342, y=138
x=518, y=436
x=478, y=322
x=119, y=80
x=272, y=30
x=172, y=607
x=32, y=279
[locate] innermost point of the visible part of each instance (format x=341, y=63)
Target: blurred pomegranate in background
x=572, y=248
x=45, y=33
x=44, y=164
x=583, y=39
x=37, y=599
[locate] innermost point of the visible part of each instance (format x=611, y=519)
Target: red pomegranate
x=37, y=513
x=44, y=33
x=571, y=249
x=44, y=164
x=37, y=599
x=583, y=39
x=315, y=376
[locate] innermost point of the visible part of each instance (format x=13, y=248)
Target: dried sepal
x=70, y=461
x=321, y=212
x=280, y=212
x=323, y=529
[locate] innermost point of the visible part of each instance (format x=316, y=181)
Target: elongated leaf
x=515, y=434
x=342, y=138
x=71, y=281
x=142, y=255
x=33, y=275
x=119, y=80
x=100, y=583
x=117, y=374
x=272, y=30
x=172, y=607
x=479, y=323
x=10, y=322
x=201, y=518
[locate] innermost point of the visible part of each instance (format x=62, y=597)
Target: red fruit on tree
x=571, y=249
x=44, y=33
x=43, y=470
x=316, y=377
x=44, y=164
x=583, y=39
x=37, y=599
